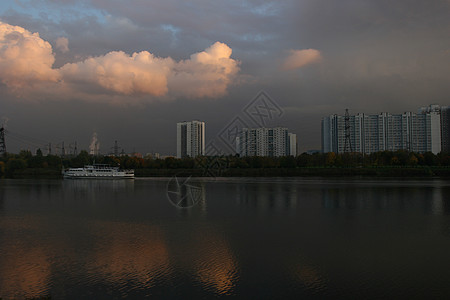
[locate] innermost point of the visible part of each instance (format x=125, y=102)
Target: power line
x=348, y=141
x=2, y=141
x=27, y=143
x=24, y=137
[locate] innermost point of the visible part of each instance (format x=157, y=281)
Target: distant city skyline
x=130, y=70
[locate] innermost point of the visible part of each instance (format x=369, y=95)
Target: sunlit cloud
x=205, y=74
x=300, y=58
x=140, y=73
x=26, y=59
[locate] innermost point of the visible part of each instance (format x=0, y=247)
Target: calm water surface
x=245, y=238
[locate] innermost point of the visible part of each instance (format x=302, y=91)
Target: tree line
x=25, y=160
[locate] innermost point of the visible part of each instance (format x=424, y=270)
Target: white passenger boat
x=98, y=171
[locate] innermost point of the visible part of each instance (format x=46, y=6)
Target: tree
x=303, y=160
x=15, y=164
x=287, y=162
x=25, y=154
x=81, y=159
x=330, y=159
x=412, y=161
x=430, y=159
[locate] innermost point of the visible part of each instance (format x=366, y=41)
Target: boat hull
x=97, y=177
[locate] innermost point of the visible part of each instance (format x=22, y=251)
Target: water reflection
x=186, y=192
x=27, y=273
x=127, y=253
x=236, y=241
x=400, y=198
x=437, y=202
x=25, y=265
x=215, y=267
x=97, y=190
x=267, y=198
x=310, y=277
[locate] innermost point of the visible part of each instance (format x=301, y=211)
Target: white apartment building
x=372, y=133
x=292, y=144
x=190, y=139
x=272, y=142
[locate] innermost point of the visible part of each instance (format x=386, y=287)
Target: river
x=259, y=238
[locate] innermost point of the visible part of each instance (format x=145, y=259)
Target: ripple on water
x=216, y=269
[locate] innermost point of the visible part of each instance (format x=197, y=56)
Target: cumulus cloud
x=62, y=44
x=140, y=73
x=300, y=58
x=26, y=58
x=205, y=74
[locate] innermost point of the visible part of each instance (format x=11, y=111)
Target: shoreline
x=395, y=172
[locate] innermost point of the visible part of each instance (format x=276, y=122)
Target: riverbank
x=302, y=172
x=263, y=172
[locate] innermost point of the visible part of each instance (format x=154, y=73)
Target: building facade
x=444, y=112
x=419, y=132
x=271, y=142
x=190, y=139
x=445, y=128
x=293, y=145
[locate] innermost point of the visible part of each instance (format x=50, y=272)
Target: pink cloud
x=26, y=61
x=300, y=58
x=205, y=74
x=140, y=73
x=25, y=58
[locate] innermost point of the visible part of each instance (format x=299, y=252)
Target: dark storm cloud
x=374, y=55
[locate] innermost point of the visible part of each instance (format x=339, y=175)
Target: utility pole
x=2, y=141
x=116, y=149
x=348, y=141
x=63, y=151
x=75, y=150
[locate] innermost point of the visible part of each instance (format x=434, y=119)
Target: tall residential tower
x=271, y=142
x=190, y=139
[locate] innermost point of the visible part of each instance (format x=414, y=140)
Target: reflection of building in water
x=352, y=198
x=385, y=197
x=187, y=193
x=268, y=197
x=437, y=205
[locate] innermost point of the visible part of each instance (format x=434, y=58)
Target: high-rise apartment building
x=190, y=139
x=444, y=112
x=372, y=133
x=292, y=144
x=445, y=128
x=272, y=142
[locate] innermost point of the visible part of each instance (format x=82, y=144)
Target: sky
x=130, y=70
